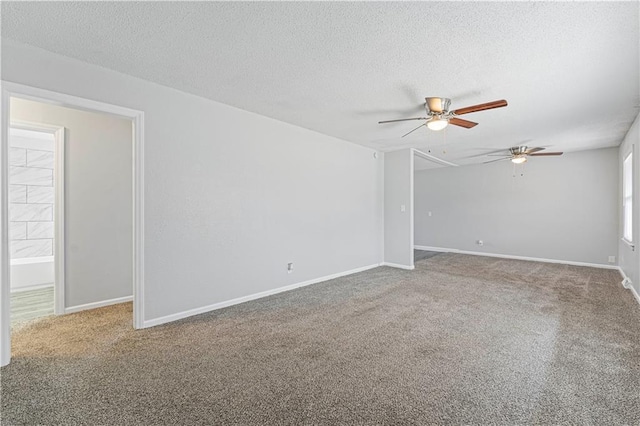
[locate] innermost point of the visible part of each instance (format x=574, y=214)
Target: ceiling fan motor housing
x=518, y=150
x=437, y=106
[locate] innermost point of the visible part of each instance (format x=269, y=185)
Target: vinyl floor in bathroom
x=31, y=304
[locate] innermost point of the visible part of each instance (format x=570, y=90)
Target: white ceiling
x=570, y=71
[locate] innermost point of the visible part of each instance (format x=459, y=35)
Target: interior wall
x=98, y=200
x=231, y=197
x=560, y=208
x=398, y=208
x=630, y=259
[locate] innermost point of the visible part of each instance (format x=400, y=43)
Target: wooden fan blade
x=481, y=107
x=406, y=134
x=499, y=159
x=402, y=119
x=532, y=150
x=462, y=123
x=543, y=154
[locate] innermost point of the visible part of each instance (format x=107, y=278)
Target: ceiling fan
x=438, y=114
x=519, y=154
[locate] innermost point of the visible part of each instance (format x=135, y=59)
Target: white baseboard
x=635, y=293
x=397, y=265
x=440, y=249
x=100, y=304
x=508, y=256
x=626, y=283
x=220, y=305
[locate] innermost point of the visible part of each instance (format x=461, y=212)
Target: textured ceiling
x=570, y=71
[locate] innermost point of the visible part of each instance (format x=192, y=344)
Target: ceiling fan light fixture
x=519, y=159
x=437, y=123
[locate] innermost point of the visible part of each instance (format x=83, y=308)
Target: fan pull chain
x=444, y=139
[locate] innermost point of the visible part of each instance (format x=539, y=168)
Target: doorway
x=36, y=220
x=64, y=299
x=423, y=208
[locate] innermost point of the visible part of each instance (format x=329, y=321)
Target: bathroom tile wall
x=31, y=194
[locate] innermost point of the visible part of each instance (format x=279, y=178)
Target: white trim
x=138, y=219
x=5, y=307
x=33, y=126
x=220, y=305
x=508, y=256
x=94, y=305
x=412, y=208
x=626, y=283
x=635, y=293
x=629, y=243
x=10, y=89
x=31, y=287
x=30, y=260
x=428, y=248
x=61, y=99
x=432, y=158
x=59, y=219
x=399, y=266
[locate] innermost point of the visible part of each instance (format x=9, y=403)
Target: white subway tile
x=40, y=194
x=31, y=248
x=17, y=157
x=17, y=230
x=37, y=230
x=31, y=176
x=30, y=212
x=42, y=159
x=18, y=193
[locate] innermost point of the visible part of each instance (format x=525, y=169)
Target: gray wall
x=629, y=259
x=398, y=192
x=562, y=208
x=98, y=209
x=230, y=196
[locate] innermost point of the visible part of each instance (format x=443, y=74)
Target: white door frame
x=10, y=89
x=58, y=206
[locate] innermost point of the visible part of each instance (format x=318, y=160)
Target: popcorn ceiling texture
x=460, y=340
x=569, y=70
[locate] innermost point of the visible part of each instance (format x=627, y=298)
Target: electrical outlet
x=403, y=208
x=480, y=242
x=289, y=268
x=612, y=259
x=429, y=214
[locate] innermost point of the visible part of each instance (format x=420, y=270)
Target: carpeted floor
x=460, y=340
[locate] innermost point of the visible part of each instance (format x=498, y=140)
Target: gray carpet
x=460, y=340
